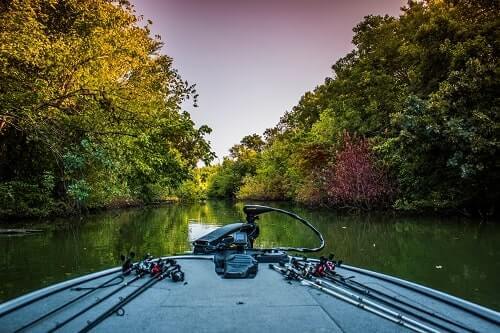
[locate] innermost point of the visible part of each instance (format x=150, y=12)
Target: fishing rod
x=127, y=264
x=364, y=304
x=463, y=305
x=126, y=269
x=52, y=290
x=366, y=301
x=142, y=268
x=59, y=289
x=173, y=271
x=48, y=314
x=380, y=295
x=372, y=292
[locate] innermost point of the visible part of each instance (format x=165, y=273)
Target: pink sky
x=253, y=60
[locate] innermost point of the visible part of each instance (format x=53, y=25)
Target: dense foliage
x=422, y=92
x=225, y=179
x=90, y=111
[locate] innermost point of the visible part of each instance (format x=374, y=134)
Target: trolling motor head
x=252, y=212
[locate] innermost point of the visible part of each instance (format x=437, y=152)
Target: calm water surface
x=455, y=256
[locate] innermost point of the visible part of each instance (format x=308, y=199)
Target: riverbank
x=126, y=203
x=63, y=209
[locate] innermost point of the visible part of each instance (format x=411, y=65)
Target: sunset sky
x=253, y=60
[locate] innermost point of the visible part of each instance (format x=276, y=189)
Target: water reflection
x=458, y=257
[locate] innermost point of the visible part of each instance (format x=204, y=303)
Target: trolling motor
x=231, y=235
x=233, y=244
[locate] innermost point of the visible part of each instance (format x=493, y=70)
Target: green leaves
x=423, y=89
x=86, y=95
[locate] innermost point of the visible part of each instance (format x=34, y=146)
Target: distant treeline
x=409, y=120
x=90, y=111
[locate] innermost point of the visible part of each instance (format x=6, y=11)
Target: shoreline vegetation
x=91, y=110
x=133, y=205
x=408, y=121
x=91, y=117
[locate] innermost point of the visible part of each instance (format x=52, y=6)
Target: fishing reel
x=174, y=271
x=127, y=264
x=324, y=267
x=291, y=273
x=177, y=275
x=154, y=267
x=145, y=265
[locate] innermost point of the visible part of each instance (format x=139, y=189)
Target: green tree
x=422, y=89
x=86, y=95
x=228, y=177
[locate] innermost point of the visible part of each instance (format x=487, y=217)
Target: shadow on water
x=458, y=257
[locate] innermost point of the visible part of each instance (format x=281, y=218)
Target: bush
x=24, y=199
x=311, y=193
x=258, y=188
x=190, y=190
x=355, y=180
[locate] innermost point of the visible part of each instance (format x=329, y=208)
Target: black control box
x=240, y=266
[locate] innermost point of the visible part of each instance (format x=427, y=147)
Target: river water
x=460, y=257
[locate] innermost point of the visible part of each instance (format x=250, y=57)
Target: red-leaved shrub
x=355, y=180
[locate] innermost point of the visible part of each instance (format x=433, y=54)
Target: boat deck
x=205, y=302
